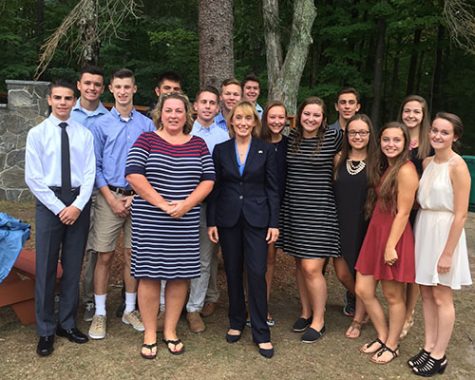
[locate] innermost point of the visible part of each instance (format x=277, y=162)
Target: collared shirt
x=212, y=135
x=335, y=126
x=86, y=117
x=259, y=110
x=220, y=121
x=43, y=162
x=113, y=138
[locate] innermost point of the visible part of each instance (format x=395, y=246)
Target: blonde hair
x=157, y=111
x=248, y=109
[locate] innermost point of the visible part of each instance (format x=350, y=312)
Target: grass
x=209, y=356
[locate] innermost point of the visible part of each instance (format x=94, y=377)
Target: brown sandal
x=355, y=326
x=394, y=354
x=367, y=346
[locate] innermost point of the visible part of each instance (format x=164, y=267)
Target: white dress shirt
x=43, y=162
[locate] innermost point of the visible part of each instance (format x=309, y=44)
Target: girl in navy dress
x=414, y=114
x=274, y=120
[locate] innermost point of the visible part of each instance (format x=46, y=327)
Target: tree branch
x=75, y=27
x=460, y=18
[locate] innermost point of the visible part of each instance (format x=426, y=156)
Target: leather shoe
x=73, y=335
x=233, y=338
x=45, y=345
x=266, y=352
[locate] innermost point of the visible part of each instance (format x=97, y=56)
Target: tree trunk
x=284, y=75
x=434, y=101
x=89, y=29
x=273, y=44
x=378, y=72
x=215, y=24
x=394, y=106
x=420, y=68
x=411, y=76
x=40, y=18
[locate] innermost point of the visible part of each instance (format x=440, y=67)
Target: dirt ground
x=209, y=356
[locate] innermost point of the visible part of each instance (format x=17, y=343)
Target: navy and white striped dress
x=163, y=247
x=309, y=223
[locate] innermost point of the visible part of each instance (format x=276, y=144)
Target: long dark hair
x=371, y=148
x=388, y=185
x=298, y=135
x=424, y=144
x=266, y=133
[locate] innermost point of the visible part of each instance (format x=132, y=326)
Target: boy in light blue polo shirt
x=206, y=105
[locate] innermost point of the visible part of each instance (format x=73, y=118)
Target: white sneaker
x=97, y=330
x=133, y=318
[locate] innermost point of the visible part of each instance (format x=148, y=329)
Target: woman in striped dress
x=172, y=172
x=309, y=222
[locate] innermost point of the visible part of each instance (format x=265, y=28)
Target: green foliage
x=343, y=54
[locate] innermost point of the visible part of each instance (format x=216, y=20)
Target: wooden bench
x=18, y=289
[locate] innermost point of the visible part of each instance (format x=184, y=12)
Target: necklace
x=354, y=167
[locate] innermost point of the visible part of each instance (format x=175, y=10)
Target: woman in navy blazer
x=243, y=213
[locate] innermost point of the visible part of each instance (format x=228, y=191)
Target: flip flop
x=175, y=342
x=149, y=347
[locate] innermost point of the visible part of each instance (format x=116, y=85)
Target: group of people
x=237, y=179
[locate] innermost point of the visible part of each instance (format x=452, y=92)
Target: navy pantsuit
x=243, y=208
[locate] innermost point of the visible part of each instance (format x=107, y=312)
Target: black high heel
x=431, y=367
x=419, y=359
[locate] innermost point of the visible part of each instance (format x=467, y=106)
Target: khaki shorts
x=107, y=226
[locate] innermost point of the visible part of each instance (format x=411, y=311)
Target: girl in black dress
x=414, y=114
x=273, y=123
x=359, y=147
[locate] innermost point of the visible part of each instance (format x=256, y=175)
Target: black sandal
x=419, y=359
x=175, y=342
x=370, y=344
x=149, y=347
x=431, y=367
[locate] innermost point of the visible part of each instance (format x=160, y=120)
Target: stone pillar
x=27, y=106
x=28, y=95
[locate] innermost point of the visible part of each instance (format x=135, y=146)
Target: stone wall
x=27, y=106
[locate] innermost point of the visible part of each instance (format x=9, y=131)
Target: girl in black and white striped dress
x=309, y=225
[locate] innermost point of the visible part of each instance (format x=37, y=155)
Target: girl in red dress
x=387, y=253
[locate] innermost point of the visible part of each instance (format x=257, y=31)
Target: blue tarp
x=13, y=234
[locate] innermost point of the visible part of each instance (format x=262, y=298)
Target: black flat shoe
x=419, y=359
x=312, y=335
x=431, y=367
x=233, y=338
x=301, y=324
x=266, y=352
x=73, y=335
x=45, y=345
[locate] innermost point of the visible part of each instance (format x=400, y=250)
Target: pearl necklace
x=354, y=169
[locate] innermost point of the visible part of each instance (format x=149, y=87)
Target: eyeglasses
x=361, y=133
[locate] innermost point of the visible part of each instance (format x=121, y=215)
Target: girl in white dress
x=441, y=250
